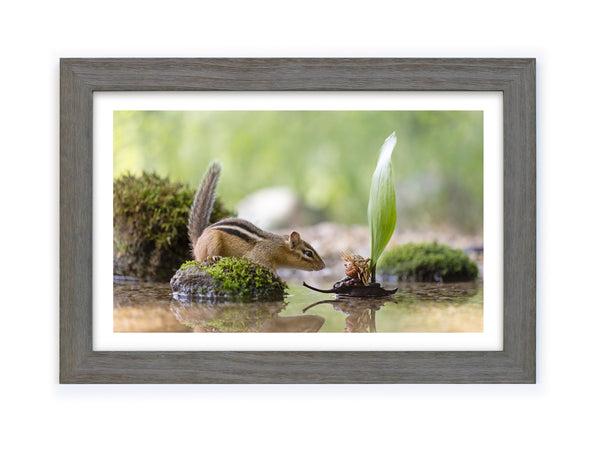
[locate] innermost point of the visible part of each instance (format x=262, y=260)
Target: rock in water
x=228, y=278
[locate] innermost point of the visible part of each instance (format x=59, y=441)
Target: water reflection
x=128, y=292
x=416, y=307
x=242, y=317
x=439, y=292
x=360, y=312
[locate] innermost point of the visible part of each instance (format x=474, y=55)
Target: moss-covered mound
x=427, y=262
x=150, y=216
x=230, y=278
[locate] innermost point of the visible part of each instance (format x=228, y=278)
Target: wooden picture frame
x=515, y=78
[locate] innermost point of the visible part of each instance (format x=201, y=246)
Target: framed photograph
x=353, y=202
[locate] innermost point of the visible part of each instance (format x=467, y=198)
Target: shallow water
x=416, y=307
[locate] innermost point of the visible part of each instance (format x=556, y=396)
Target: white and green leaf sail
x=382, y=203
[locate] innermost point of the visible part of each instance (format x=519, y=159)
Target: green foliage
x=231, y=278
x=382, y=202
x=150, y=216
x=428, y=262
x=150, y=226
x=156, y=206
x=320, y=155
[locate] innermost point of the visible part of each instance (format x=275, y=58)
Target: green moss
x=150, y=216
x=231, y=278
x=189, y=264
x=427, y=262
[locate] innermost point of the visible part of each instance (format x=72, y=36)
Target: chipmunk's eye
x=308, y=253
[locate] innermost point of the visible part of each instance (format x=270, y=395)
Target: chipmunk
x=237, y=237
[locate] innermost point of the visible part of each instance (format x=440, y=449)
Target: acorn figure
x=357, y=268
x=356, y=282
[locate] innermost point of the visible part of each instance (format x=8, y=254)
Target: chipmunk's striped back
x=237, y=237
x=242, y=229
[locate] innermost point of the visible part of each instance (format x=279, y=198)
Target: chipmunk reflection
x=361, y=312
x=242, y=317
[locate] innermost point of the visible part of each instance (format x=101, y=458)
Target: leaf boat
x=356, y=290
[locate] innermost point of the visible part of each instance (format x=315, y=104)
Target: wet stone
x=229, y=278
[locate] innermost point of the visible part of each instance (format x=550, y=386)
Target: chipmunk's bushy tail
x=203, y=202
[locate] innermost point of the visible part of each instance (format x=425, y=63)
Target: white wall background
x=436, y=429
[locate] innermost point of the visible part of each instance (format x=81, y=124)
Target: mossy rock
x=427, y=262
x=150, y=216
x=229, y=278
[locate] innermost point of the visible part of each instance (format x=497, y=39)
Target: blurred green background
x=326, y=157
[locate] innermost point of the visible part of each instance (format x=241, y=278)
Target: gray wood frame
x=79, y=78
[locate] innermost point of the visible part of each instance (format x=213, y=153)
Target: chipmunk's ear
x=294, y=239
